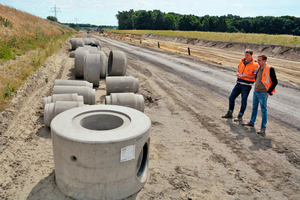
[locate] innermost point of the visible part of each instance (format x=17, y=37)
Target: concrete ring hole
x=102, y=120
x=142, y=161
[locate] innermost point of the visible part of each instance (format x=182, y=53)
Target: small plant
x=8, y=91
x=46, y=80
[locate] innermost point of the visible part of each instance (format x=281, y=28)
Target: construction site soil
x=194, y=153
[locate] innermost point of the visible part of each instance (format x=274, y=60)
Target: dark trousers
x=237, y=90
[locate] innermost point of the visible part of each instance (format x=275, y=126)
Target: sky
x=103, y=12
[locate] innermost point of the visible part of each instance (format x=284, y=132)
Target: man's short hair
x=263, y=56
x=249, y=51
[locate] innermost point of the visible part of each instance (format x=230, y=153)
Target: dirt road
x=194, y=153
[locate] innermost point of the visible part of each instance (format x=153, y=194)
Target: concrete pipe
x=91, y=69
x=131, y=100
x=63, y=97
x=89, y=41
x=53, y=109
x=97, y=43
x=72, y=83
x=122, y=84
x=72, y=54
x=87, y=92
x=79, y=60
x=76, y=42
x=103, y=66
x=87, y=47
x=117, y=63
x=101, y=151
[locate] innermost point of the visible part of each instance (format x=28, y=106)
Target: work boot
x=228, y=115
x=261, y=132
x=248, y=124
x=238, y=118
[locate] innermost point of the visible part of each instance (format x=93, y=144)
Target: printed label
x=128, y=153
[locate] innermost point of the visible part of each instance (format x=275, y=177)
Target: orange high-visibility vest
x=266, y=79
x=248, y=69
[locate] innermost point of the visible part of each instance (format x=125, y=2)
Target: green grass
x=283, y=40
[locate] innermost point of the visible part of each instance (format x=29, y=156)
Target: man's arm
x=273, y=79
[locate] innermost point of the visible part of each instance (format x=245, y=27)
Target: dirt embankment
x=283, y=52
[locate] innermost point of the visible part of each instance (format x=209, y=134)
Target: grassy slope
x=34, y=38
x=284, y=40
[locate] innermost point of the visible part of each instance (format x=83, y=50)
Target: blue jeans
x=259, y=98
x=237, y=90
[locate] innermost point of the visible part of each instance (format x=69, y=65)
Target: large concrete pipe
x=131, y=100
x=97, y=43
x=63, y=97
x=91, y=69
x=101, y=151
x=87, y=47
x=73, y=83
x=120, y=84
x=79, y=60
x=87, y=92
x=76, y=42
x=72, y=54
x=53, y=109
x=103, y=66
x=117, y=63
x=89, y=41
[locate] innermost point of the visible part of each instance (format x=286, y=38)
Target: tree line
x=157, y=20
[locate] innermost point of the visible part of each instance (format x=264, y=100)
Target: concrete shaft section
x=79, y=60
x=88, y=47
x=76, y=42
x=62, y=97
x=72, y=83
x=72, y=54
x=53, y=109
x=117, y=63
x=103, y=65
x=120, y=84
x=97, y=43
x=101, y=151
x=91, y=69
x=89, y=41
x=87, y=92
x=131, y=100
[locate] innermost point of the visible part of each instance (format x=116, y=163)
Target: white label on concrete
x=128, y=153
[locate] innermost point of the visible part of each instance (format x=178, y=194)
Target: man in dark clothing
x=265, y=83
x=246, y=71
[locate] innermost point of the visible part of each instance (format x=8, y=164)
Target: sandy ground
x=194, y=153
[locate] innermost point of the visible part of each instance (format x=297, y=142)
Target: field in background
x=25, y=43
x=283, y=40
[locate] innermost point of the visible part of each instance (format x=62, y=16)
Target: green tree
x=52, y=18
x=170, y=22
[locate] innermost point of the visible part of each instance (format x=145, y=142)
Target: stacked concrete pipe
x=79, y=62
x=121, y=84
x=53, y=109
x=117, y=63
x=63, y=97
x=131, y=100
x=87, y=92
x=101, y=151
x=91, y=69
x=76, y=42
x=72, y=83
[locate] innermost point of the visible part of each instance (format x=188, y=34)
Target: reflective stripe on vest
x=265, y=79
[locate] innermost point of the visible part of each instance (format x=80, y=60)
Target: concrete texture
x=73, y=83
x=91, y=69
x=72, y=54
x=121, y=84
x=131, y=100
x=103, y=65
x=87, y=92
x=63, y=97
x=117, y=63
x=53, y=109
x=76, y=42
x=79, y=60
x=101, y=151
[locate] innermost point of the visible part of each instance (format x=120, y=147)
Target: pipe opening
x=142, y=160
x=101, y=122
